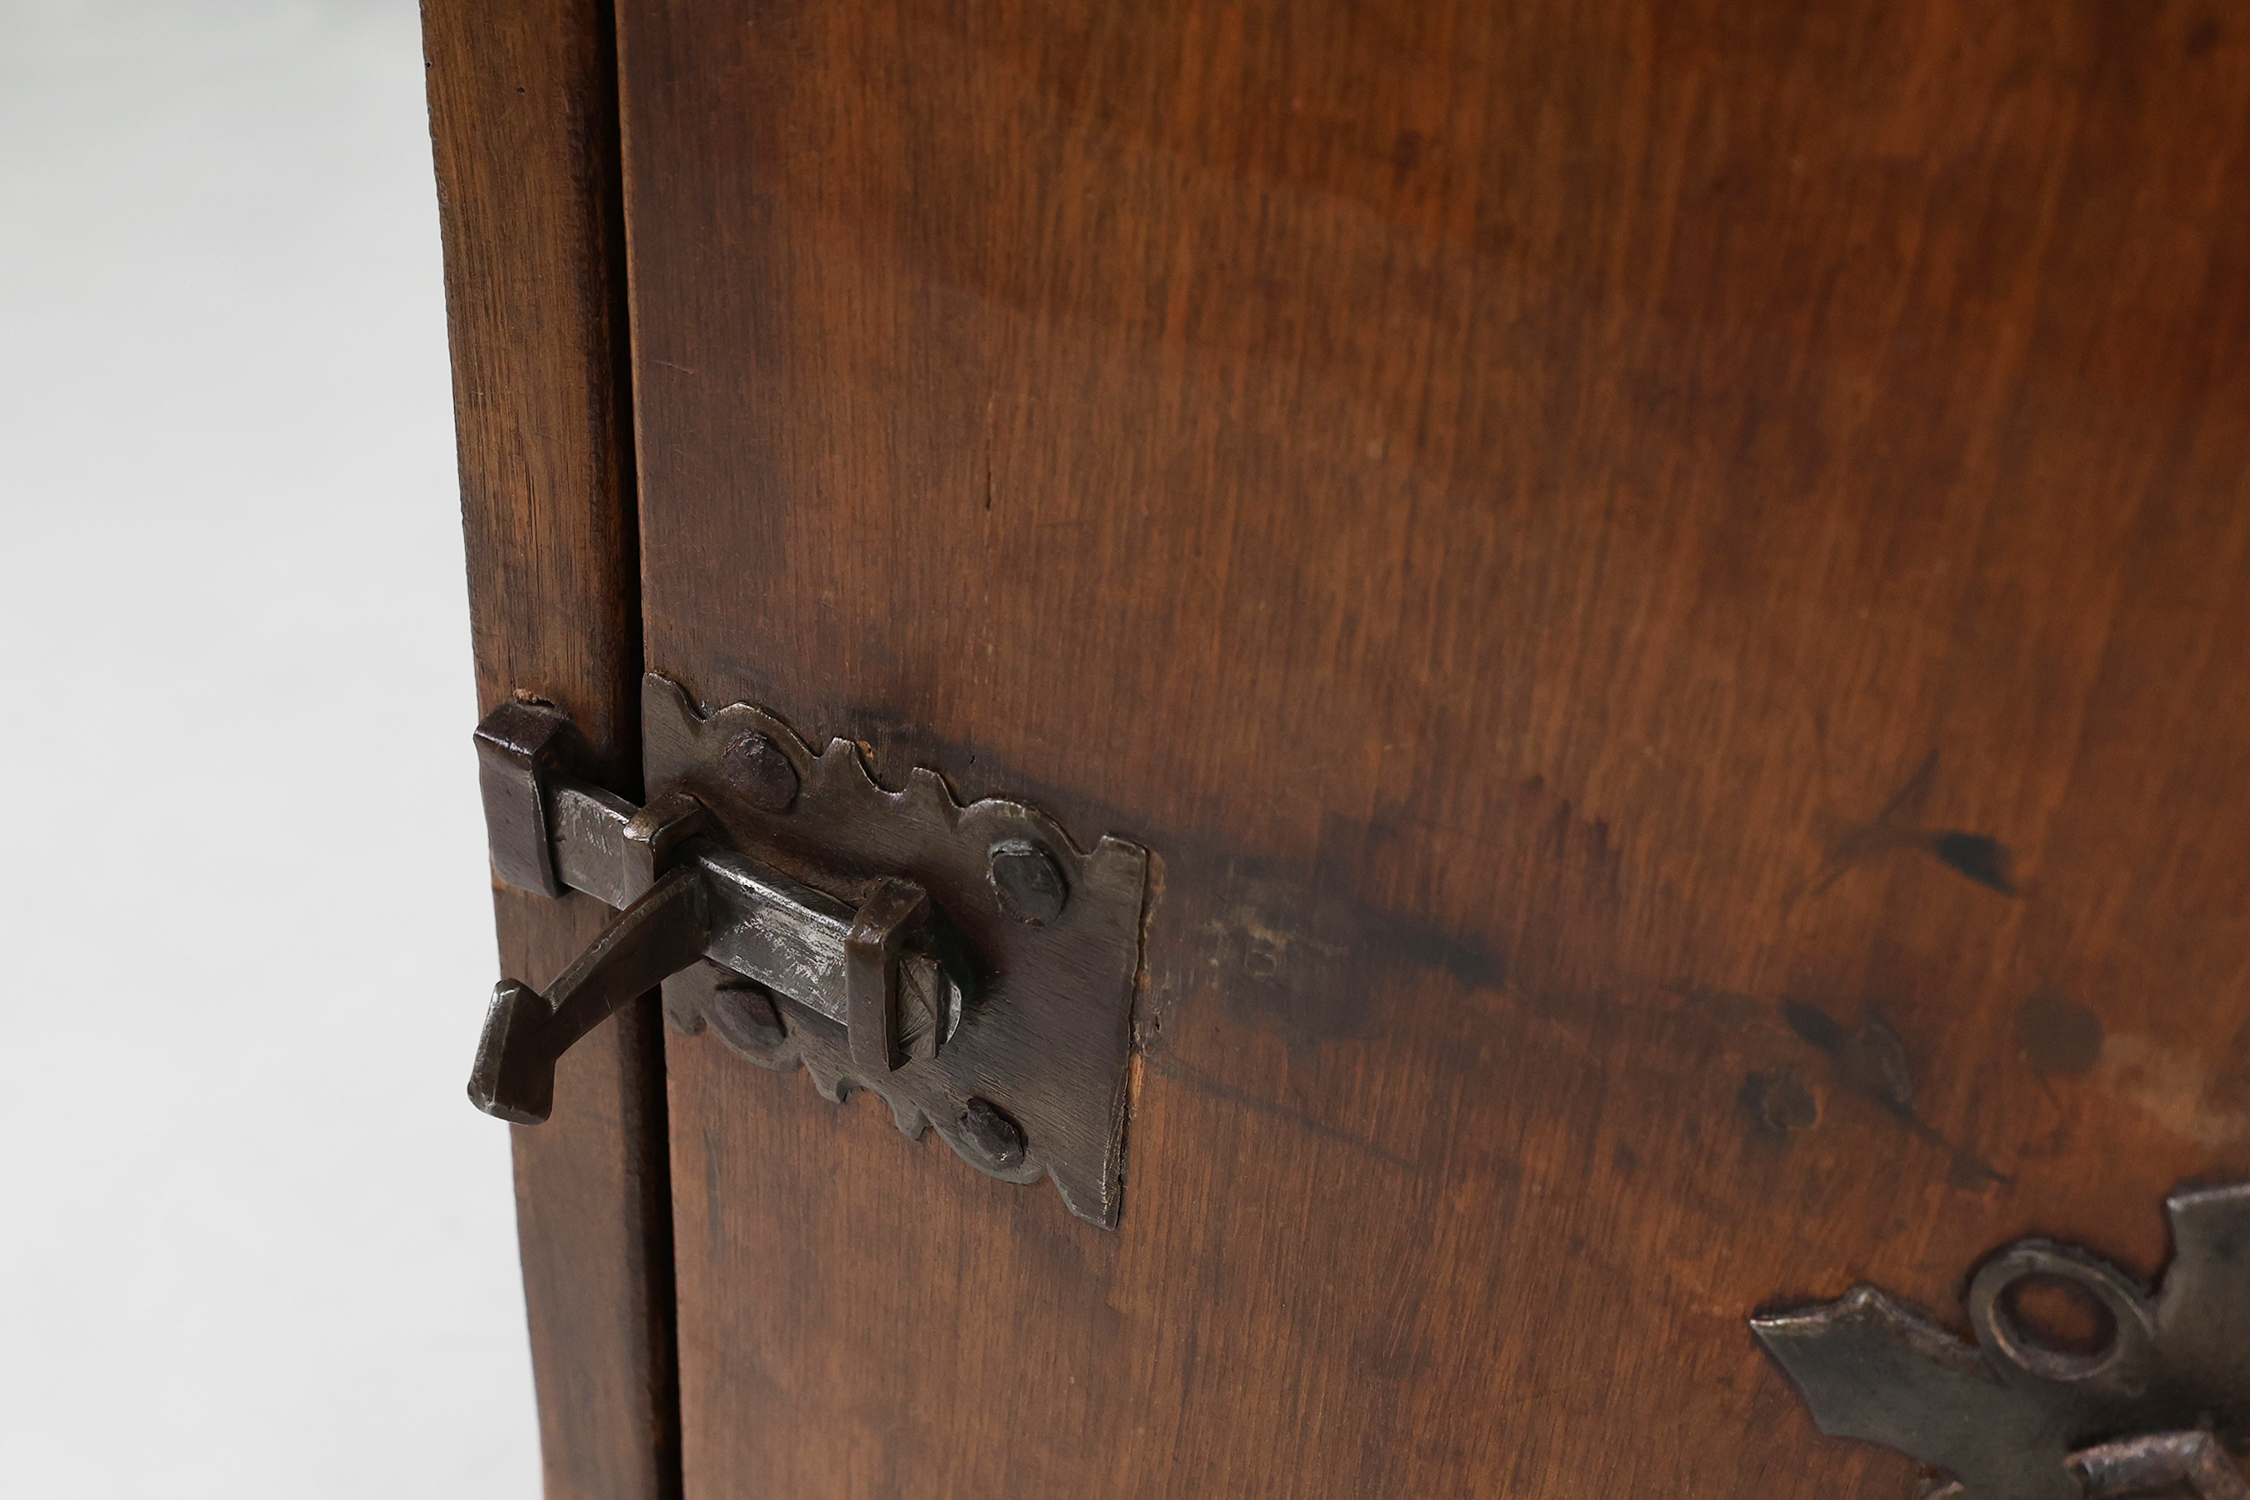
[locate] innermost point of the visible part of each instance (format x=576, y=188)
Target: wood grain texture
x=1667, y=581
x=523, y=117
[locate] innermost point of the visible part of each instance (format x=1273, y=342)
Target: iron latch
x=969, y=964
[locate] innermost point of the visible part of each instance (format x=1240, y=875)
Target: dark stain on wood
x=1779, y=1103
x=1173, y=1068
x=1978, y=856
x=1870, y=1062
x=1307, y=958
x=2059, y=1036
x=1983, y=859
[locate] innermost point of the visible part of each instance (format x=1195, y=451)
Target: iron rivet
x=997, y=1138
x=743, y=1012
x=1029, y=886
x=761, y=770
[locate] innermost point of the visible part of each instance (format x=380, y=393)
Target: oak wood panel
x=1666, y=580
x=523, y=118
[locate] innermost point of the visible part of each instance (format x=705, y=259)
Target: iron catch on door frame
x=2149, y=1396
x=969, y=964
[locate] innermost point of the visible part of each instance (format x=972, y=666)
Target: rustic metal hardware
x=2155, y=1394
x=968, y=964
x=2156, y=1463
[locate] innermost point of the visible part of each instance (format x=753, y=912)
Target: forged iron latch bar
x=681, y=898
x=525, y=1033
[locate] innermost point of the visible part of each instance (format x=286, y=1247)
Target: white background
x=253, y=1239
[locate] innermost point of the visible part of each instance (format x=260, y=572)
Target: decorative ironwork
x=970, y=964
x=2153, y=1391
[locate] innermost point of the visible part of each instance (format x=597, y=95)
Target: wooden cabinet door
x=1665, y=583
